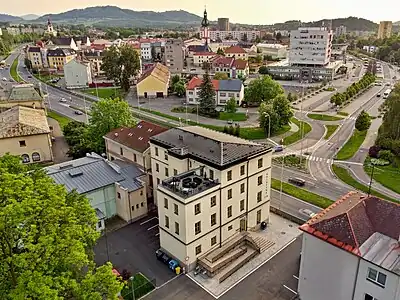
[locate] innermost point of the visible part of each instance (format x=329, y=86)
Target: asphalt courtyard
x=275, y=280
x=133, y=248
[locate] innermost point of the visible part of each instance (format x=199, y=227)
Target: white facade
x=145, y=50
x=200, y=58
x=13, y=30
x=77, y=74
x=229, y=35
x=330, y=273
x=274, y=50
x=341, y=30
x=221, y=97
x=191, y=226
x=310, y=46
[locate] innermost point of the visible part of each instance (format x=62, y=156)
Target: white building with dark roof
x=210, y=186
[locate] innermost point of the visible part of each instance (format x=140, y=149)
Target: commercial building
x=25, y=132
x=154, y=82
x=223, y=24
x=113, y=188
x=58, y=57
x=210, y=186
x=174, y=55
x=224, y=90
x=351, y=250
x=273, y=50
x=385, y=29
x=77, y=74
x=341, y=30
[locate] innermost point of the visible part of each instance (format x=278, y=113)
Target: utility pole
x=370, y=182
x=301, y=122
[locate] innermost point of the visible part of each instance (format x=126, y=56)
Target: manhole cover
x=282, y=232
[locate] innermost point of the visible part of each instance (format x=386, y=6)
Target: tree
x=221, y=76
x=220, y=51
x=120, y=64
x=363, y=121
x=259, y=59
x=207, y=97
x=278, y=36
x=46, y=239
x=179, y=89
x=108, y=114
x=263, y=89
x=290, y=97
x=175, y=79
x=268, y=118
x=28, y=63
x=78, y=139
x=231, y=106
x=263, y=70
x=281, y=106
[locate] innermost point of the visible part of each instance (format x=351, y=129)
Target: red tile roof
x=136, y=138
x=205, y=53
x=351, y=220
x=223, y=61
x=240, y=64
x=196, y=82
x=235, y=49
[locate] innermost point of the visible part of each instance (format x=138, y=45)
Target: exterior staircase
x=263, y=243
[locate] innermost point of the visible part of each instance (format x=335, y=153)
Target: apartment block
x=174, y=55
x=223, y=24
x=245, y=35
x=385, y=29
x=351, y=250
x=209, y=186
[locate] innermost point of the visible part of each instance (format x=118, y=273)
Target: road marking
x=148, y=220
x=152, y=227
x=295, y=277
x=289, y=289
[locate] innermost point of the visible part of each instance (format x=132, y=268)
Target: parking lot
x=133, y=248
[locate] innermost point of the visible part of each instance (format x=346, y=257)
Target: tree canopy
x=276, y=114
x=220, y=76
x=46, y=239
x=263, y=89
x=363, y=121
x=207, y=97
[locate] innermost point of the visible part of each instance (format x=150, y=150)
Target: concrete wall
x=131, y=206
x=105, y=200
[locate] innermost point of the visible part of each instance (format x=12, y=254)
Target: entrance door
x=243, y=224
x=145, y=94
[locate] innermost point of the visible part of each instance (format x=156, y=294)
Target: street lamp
x=372, y=177
x=133, y=288
x=269, y=123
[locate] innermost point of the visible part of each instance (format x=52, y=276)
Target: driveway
x=133, y=248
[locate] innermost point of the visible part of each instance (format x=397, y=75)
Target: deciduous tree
x=221, y=76
x=263, y=89
x=363, y=121
x=231, y=106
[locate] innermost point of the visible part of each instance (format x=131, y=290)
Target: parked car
x=161, y=256
x=378, y=95
x=29, y=76
x=63, y=100
x=4, y=79
x=278, y=148
x=309, y=213
x=78, y=112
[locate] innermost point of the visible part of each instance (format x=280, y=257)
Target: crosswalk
x=319, y=159
x=351, y=118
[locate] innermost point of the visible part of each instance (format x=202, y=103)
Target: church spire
x=204, y=22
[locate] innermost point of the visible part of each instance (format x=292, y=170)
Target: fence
x=137, y=286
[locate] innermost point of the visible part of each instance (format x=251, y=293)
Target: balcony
x=189, y=183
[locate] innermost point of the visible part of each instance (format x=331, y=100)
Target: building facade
x=58, y=57
x=237, y=52
x=174, y=55
x=154, y=82
x=341, y=30
x=207, y=189
x=77, y=74
x=351, y=250
x=223, y=24
x=245, y=35
x=145, y=50
x=385, y=29
x=310, y=47
x=273, y=50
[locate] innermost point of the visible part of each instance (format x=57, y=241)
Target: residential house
x=82, y=42
x=58, y=57
x=240, y=35
x=248, y=47
x=224, y=90
x=77, y=74
x=25, y=132
x=63, y=42
x=199, y=58
x=210, y=186
x=174, y=55
x=113, y=188
x=273, y=50
x=154, y=82
x=132, y=144
x=351, y=250
x=95, y=57
x=38, y=57
x=234, y=68
x=26, y=95
x=237, y=52
x=240, y=69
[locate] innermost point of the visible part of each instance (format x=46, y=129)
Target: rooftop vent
x=116, y=134
x=66, y=166
x=140, y=138
x=150, y=130
x=139, y=126
x=75, y=173
x=180, y=137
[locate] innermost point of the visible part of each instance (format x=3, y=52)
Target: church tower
x=204, y=28
x=50, y=29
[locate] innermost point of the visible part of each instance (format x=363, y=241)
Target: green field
x=330, y=130
x=352, y=145
x=105, y=93
x=345, y=176
x=298, y=135
x=342, y=113
x=388, y=176
x=141, y=286
x=13, y=71
x=236, y=117
x=59, y=118
x=321, y=117
x=301, y=194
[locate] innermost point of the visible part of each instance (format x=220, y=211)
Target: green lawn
x=352, y=145
x=292, y=160
x=301, y=194
x=296, y=136
x=59, y=118
x=342, y=113
x=388, y=176
x=323, y=117
x=345, y=176
x=141, y=286
x=236, y=117
x=13, y=71
x=105, y=92
x=330, y=130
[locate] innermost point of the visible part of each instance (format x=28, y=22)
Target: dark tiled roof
x=62, y=41
x=230, y=85
x=214, y=147
x=136, y=138
x=198, y=48
x=59, y=52
x=240, y=64
x=34, y=49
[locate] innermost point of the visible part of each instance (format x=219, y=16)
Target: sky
x=238, y=11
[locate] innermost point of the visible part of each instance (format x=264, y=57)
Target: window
x=229, y=175
x=229, y=211
x=156, y=151
x=166, y=221
x=230, y=194
x=157, y=168
x=376, y=277
x=165, y=155
x=258, y=216
x=141, y=204
x=242, y=188
x=133, y=207
x=166, y=172
x=242, y=205
x=121, y=151
x=158, y=181
x=260, y=163
x=197, y=227
x=175, y=172
x=134, y=157
x=211, y=174
x=259, y=196
x=213, y=219
x=197, y=209
x=176, y=228
x=22, y=143
x=25, y=158
x=99, y=224
x=230, y=227
x=213, y=240
x=259, y=180
x=198, y=249
x=141, y=192
x=176, y=209
x=118, y=195
x=213, y=201
x=241, y=170
x=166, y=203
x=35, y=156
x=137, y=206
x=369, y=297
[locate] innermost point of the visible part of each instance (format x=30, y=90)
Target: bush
x=374, y=151
x=379, y=162
x=386, y=155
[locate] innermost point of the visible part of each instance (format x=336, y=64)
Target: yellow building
x=58, y=57
x=35, y=57
x=385, y=29
x=154, y=83
x=25, y=132
x=24, y=95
